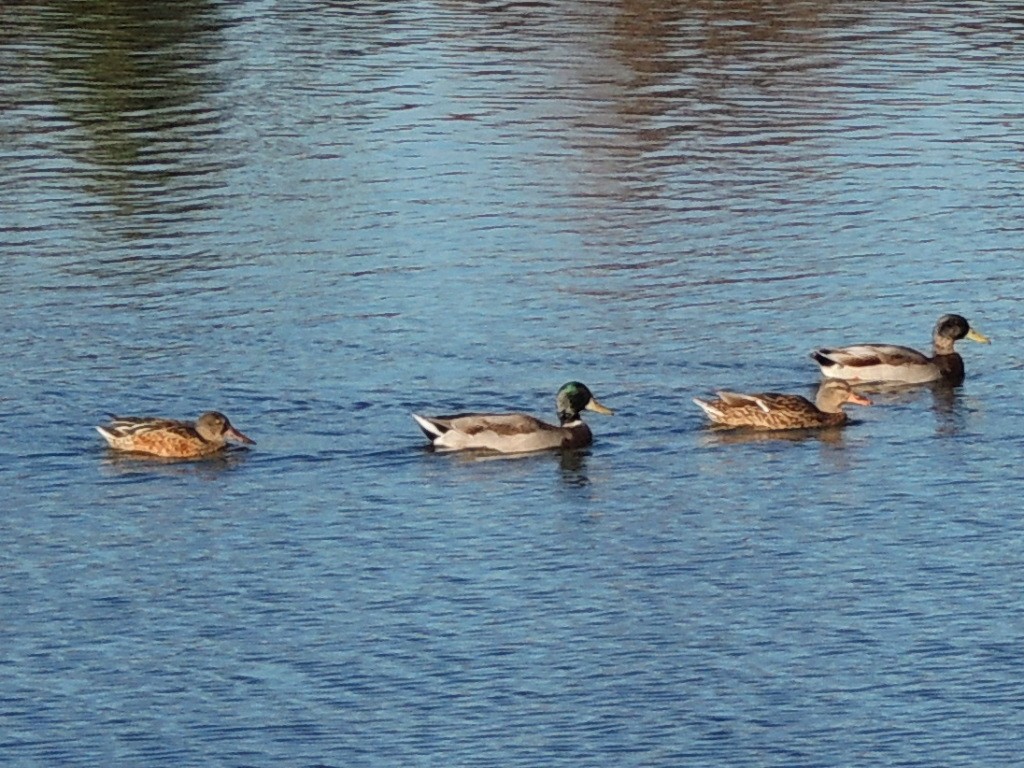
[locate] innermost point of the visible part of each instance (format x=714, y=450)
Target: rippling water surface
x=319, y=217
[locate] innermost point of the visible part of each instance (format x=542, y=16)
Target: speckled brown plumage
x=772, y=410
x=170, y=438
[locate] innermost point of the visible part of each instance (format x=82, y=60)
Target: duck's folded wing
x=738, y=399
x=867, y=355
x=137, y=425
x=140, y=428
x=504, y=424
x=795, y=404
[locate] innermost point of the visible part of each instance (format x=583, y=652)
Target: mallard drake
x=170, y=438
x=770, y=410
x=516, y=432
x=887, y=362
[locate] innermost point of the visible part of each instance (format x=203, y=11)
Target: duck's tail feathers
x=431, y=429
x=821, y=357
x=107, y=435
x=713, y=413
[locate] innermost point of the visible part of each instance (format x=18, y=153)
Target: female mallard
x=172, y=439
x=516, y=432
x=770, y=410
x=903, y=365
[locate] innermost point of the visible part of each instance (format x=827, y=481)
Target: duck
x=890, y=363
x=517, y=432
x=170, y=438
x=771, y=410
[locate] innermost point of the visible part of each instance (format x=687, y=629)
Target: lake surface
x=319, y=217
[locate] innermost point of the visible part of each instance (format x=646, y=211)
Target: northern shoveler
x=170, y=438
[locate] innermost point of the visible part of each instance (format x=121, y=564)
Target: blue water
x=321, y=217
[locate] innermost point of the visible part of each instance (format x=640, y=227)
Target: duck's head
x=952, y=328
x=833, y=394
x=214, y=427
x=574, y=397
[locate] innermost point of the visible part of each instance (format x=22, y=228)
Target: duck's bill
x=234, y=434
x=593, y=405
x=857, y=399
x=981, y=338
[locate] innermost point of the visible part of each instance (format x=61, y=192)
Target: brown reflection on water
x=134, y=80
x=208, y=467
x=718, y=436
x=747, y=68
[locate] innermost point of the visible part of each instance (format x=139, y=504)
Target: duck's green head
x=575, y=397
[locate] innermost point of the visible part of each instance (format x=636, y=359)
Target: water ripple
x=319, y=217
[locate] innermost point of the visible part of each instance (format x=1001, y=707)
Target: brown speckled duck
x=516, y=432
x=902, y=365
x=771, y=410
x=170, y=438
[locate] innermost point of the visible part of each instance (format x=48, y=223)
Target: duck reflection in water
x=824, y=435
x=945, y=398
x=572, y=462
x=208, y=467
